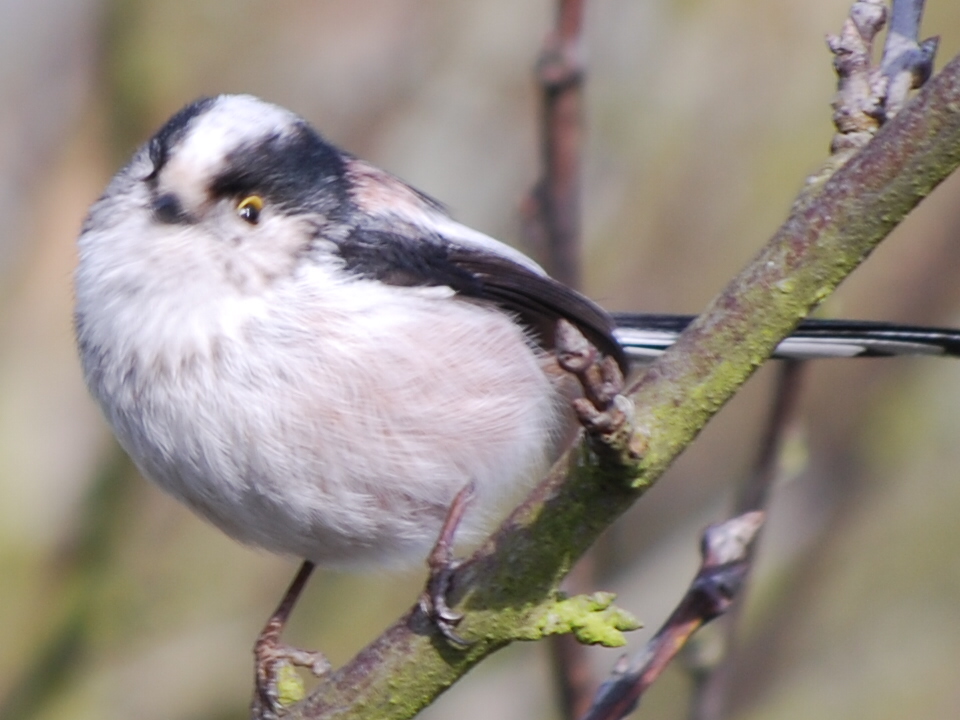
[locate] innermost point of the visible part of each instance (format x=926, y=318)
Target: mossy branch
x=510, y=584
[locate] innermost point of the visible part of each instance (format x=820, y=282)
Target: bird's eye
x=249, y=209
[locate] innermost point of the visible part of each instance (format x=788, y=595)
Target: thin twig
x=907, y=63
x=620, y=695
x=755, y=492
x=713, y=677
x=572, y=671
x=861, y=88
x=868, y=95
x=553, y=212
x=725, y=553
x=554, y=226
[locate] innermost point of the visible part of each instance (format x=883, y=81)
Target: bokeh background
x=703, y=118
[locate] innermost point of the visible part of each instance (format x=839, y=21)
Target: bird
x=318, y=359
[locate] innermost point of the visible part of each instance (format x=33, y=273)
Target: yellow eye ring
x=249, y=209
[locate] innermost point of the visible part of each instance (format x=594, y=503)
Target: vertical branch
x=713, y=679
x=858, y=107
x=869, y=95
x=755, y=492
x=573, y=675
x=553, y=212
x=907, y=63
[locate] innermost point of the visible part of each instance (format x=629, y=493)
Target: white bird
x=316, y=358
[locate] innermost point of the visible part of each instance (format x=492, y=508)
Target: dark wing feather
x=537, y=301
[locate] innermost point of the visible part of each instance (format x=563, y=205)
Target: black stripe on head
x=172, y=132
x=295, y=170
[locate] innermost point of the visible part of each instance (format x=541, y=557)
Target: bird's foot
x=275, y=690
x=272, y=657
x=442, y=565
x=603, y=411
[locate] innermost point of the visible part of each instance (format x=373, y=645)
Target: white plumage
x=301, y=409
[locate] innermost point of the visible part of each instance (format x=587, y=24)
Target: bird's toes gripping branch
x=605, y=414
x=278, y=686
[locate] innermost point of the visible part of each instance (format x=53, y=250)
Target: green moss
x=290, y=687
x=592, y=619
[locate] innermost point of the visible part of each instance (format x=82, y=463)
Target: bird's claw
x=442, y=565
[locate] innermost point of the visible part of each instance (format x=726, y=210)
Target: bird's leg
x=270, y=654
x=441, y=563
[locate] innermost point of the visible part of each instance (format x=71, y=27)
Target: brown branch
x=569, y=660
x=725, y=562
x=861, y=88
x=553, y=208
x=755, y=492
x=553, y=226
x=869, y=95
x=508, y=587
x=831, y=229
x=713, y=678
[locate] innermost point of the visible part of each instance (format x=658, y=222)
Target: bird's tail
x=644, y=337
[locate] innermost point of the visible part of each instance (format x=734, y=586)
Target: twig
x=907, y=63
x=572, y=672
x=553, y=210
x=553, y=225
x=725, y=553
x=861, y=88
x=713, y=677
x=869, y=95
x=755, y=492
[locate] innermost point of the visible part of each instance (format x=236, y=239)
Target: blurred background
x=703, y=118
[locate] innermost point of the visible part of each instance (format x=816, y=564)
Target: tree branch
x=907, y=62
x=552, y=226
x=861, y=88
x=725, y=552
x=869, y=95
x=553, y=208
x=712, y=677
x=508, y=587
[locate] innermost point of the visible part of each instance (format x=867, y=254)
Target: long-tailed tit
x=316, y=358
